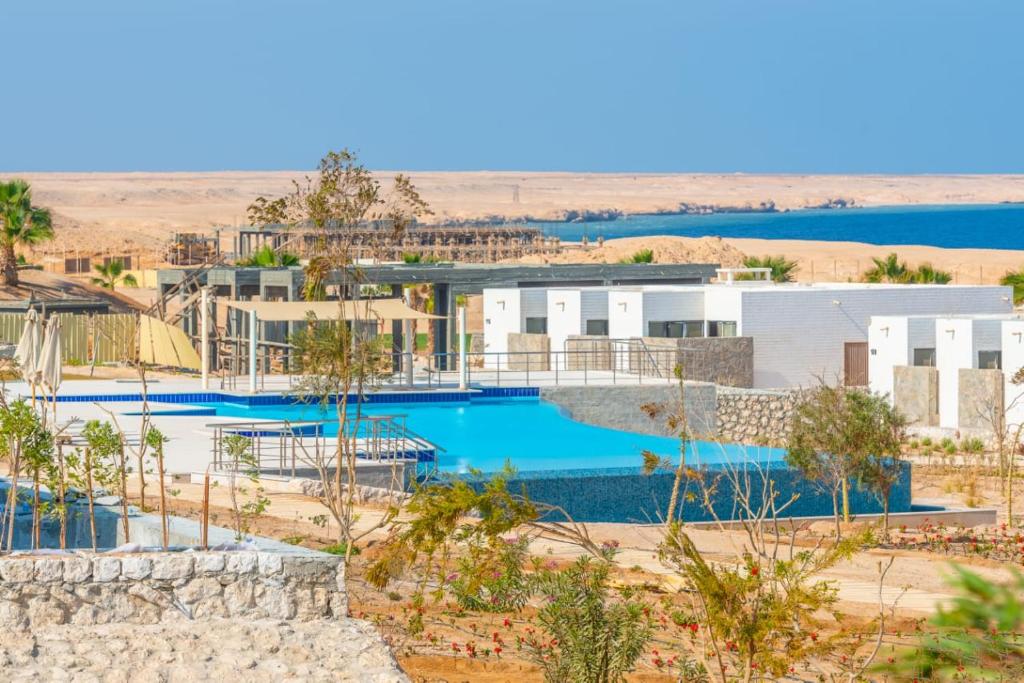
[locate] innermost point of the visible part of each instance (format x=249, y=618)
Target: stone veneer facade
x=729, y=414
x=87, y=588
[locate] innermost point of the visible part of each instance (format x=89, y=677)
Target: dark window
x=674, y=329
x=924, y=357
x=597, y=328
x=536, y=326
x=990, y=360
x=722, y=328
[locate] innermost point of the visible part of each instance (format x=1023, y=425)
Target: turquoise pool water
x=532, y=434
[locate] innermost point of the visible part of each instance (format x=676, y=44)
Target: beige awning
x=163, y=344
x=362, y=309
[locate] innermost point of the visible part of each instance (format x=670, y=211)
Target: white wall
x=671, y=305
x=954, y=349
x=726, y=304
x=1012, y=344
x=565, y=318
x=799, y=333
x=502, y=315
x=626, y=314
x=888, y=347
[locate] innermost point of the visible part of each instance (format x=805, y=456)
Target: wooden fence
x=102, y=338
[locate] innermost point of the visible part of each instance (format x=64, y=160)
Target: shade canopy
x=164, y=344
x=361, y=309
x=29, y=347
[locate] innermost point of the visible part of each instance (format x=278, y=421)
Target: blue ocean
x=997, y=226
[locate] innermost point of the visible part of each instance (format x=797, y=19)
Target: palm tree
x=782, y=268
x=642, y=256
x=267, y=257
x=889, y=269
x=1015, y=279
x=112, y=274
x=928, y=275
x=20, y=223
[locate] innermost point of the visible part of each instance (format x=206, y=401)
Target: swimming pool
x=532, y=434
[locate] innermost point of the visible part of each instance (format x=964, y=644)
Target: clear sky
x=835, y=86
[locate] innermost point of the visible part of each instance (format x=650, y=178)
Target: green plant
x=298, y=539
x=593, y=637
x=927, y=275
x=268, y=257
x=490, y=577
x=781, y=267
x=975, y=638
x=155, y=440
x=21, y=223
x=341, y=549
x=244, y=506
x=926, y=441
x=112, y=274
x=97, y=466
x=972, y=445
x=642, y=256
x=915, y=444
x=839, y=434
x=1015, y=279
x=25, y=444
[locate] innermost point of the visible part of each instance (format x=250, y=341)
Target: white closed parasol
x=50, y=360
x=29, y=348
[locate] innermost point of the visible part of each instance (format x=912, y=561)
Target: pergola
x=359, y=310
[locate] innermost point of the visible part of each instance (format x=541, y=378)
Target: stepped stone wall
x=754, y=416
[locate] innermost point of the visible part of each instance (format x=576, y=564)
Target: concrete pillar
x=442, y=326
x=397, y=334
x=252, y=352
x=463, y=366
x=409, y=339
x=204, y=336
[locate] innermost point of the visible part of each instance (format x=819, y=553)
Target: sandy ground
x=146, y=207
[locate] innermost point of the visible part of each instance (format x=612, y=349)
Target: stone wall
x=915, y=393
x=754, y=416
x=728, y=361
x=729, y=414
x=154, y=587
x=624, y=406
x=980, y=401
x=586, y=352
x=537, y=345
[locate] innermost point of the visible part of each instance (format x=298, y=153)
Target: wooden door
x=855, y=364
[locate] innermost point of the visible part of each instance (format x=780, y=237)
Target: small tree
x=1015, y=279
x=25, y=445
x=110, y=275
x=268, y=257
x=841, y=434
x=104, y=465
x=889, y=269
x=156, y=440
x=245, y=506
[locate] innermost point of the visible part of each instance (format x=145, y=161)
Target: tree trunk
x=163, y=499
x=124, y=493
x=89, y=494
x=9, y=264
x=835, y=511
x=35, y=511
x=846, y=501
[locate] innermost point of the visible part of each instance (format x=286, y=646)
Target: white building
x=801, y=331
x=949, y=344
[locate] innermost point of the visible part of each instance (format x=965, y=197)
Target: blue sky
x=834, y=86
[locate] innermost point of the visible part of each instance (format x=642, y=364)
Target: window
x=675, y=328
x=536, y=326
x=597, y=328
x=722, y=328
x=990, y=360
x=924, y=357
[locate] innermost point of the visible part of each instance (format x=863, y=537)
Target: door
x=855, y=364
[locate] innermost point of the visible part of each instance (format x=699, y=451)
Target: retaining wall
x=154, y=587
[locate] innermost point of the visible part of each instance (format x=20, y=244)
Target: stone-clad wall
x=150, y=588
x=729, y=414
x=755, y=416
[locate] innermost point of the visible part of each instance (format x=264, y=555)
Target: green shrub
x=339, y=549
x=946, y=443
x=915, y=444
x=926, y=441
x=972, y=445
